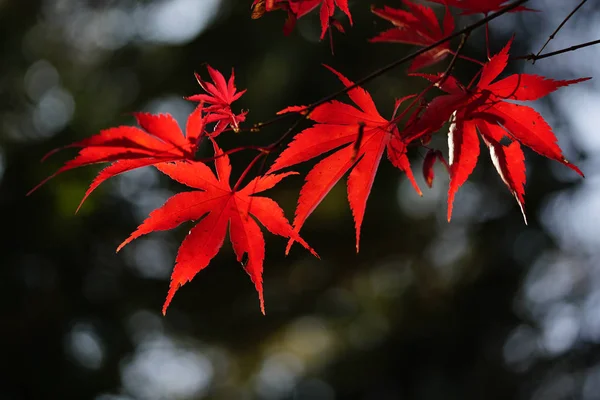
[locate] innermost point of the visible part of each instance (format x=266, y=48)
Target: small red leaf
x=428, y=164
x=418, y=26
x=219, y=96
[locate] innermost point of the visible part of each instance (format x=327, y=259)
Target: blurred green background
x=483, y=307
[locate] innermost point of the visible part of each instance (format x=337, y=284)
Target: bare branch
x=463, y=41
x=535, y=57
x=559, y=28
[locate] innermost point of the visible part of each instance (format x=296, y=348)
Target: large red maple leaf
x=360, y=135
x=127, y=147
x=219, y=96
x=418, y=26
x=216, y=205
x=484, y=110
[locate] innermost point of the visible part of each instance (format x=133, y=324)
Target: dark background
x=483, y=307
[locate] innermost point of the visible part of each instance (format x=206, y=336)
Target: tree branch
x=463, y=41
x=535, y=57
x=559, y=28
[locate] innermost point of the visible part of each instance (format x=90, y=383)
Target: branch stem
x=535, y=57
x=559, y=28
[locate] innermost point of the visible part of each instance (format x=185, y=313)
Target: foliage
x=354, y=137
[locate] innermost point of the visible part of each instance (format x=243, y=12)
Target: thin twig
x=534, y=57
x=487, y=41
x=466, y=58
x=558, y=29
x=463, y=41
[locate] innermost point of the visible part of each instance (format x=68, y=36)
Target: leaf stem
x=466, y=58
x=248, y=168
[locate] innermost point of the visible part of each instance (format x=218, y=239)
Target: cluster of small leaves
x=354, y=135
x=299, y=8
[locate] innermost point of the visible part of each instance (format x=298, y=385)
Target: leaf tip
x=122, y=245
x=289, y=246
x=449, y=217
x=261, y=297
x=522, y=207
x=573, y=167
x=173, y=287
x=198, y=78
x=80, y=204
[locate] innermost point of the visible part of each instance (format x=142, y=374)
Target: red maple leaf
x=160, y=139
x=418, y=26
x=360, y=135
x=298, y=8
x=216, y=205
x=484, y=110
x=219, y=96
x=469, y=7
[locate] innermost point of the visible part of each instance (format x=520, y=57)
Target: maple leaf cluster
x=349, y=138
x=299, y=8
